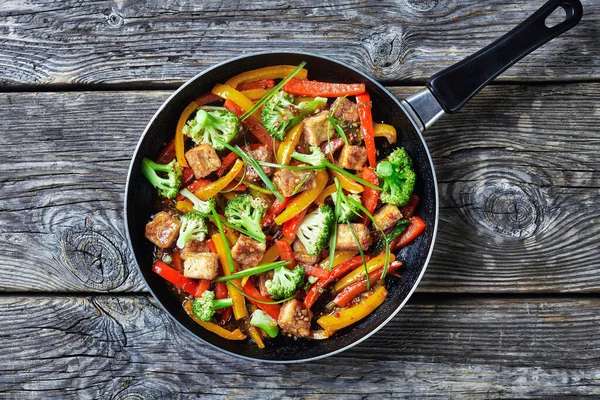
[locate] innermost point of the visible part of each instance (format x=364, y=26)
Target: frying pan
x=446, y=92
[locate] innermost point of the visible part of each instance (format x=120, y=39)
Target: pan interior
x=385, y=109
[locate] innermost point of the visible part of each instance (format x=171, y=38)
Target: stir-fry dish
x=274, y=215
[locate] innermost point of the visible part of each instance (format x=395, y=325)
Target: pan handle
x=455, y=85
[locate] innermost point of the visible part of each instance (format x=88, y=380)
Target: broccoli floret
x=398, y=178
x=314, y=230
x=316, y=158
x=246, y=212
x=200, y=206
x=166, y=186
x=347, y=210
x=204, y=307
x=193, y=226
x=262, y=320
x=285, y=282
x=280, y=113
x=208, y=125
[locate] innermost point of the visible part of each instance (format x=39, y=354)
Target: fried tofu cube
x=388, y=216
x=346, y=241
x=262, y=280
x=201, y=266
x=294, y=318
x=302, y=256
x=163, y=230
x=286, y=181
x=247, y=251
x=203, y=160
x=261, y=153
x=353, y=157
x=317, y=129
x=345, y=110
x=194, y=246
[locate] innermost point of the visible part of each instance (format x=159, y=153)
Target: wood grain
x=518, y=171
x=155, y=42
x=88, y=347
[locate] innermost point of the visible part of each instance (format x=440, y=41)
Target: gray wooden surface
x=509, y=304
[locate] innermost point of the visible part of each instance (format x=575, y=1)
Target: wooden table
x=509, y=306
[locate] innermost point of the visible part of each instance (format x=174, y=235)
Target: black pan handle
x=455, y=85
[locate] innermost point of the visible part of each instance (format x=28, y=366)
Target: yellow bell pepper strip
x=348, y=316
x=304, y=199
x=339, y=257
x=229, y=196
x=274, y=72
x=228, y=93
x=300, y=99
x=239, y=303
x=211, y=190
x=255, y=94
x=212, y=327
x=325, y=194
x=271, y=255
x=253, y=332
x=386, y=131
x=358, y=273
x=179, y=138
x=185, y=206
x=286, y=148
x=347, y=183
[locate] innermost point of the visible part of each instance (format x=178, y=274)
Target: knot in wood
x=115, y=20
x=421, y=5
x=385, y=49
x=93, y=259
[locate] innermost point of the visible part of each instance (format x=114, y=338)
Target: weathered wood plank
x=164, y=43
x=519, y=190
x=126, y=346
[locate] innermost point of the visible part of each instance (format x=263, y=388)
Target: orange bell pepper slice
x=304, y=199
x=353, y=314
x=179, y=137
x=328, y=191
x=255, y=94
x=359, y=272
x=386, y=131
x=212, y=327
x=253, y=332
x=239, y=303
x=273, y=72
x=228, y=93
x=347, y=183
x=215, y=187
x=286, y=148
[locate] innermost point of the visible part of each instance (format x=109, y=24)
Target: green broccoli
x=280, y=113
x=208, y=125
x=398, y=178
x=285, y=282
x=166, y=186
x=314, y=230
x=204, y=307
x=246, y=212
x=347, y=210
x=262, y=320
x=193, y=226
x=200, y=206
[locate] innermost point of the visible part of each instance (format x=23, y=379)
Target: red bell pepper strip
x=221, y=293
x=271, y=309
x=203, y=286
x=276, y=208
x=304, y=87
x=212, y=246
x=175, y=277
x=356, y=288
x=417, y=225
x=177, y=260
x=226, y=164
x=337, y=272
x=409, y=209
x=290, y=227
x=317, y=272
x=187, y=176
x=369, y=196
x=252, y=124
x=206, y=98
x=260, y=84
x=167, y=154
x=366, y=126
x=193, y=187
x=286, y=253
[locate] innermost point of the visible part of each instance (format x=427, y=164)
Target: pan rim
x=376, y=328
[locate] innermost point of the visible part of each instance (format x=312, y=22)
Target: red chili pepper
x=356, y=288
x=317, y=272
x=276, y=208
x=187, y=177
x=212, y=246
x=286, y=253
x=290, y=227
x=206, y=98
x=304, y=87
x=177, y=260
x=221, y=293
x=409, y=209
x=417, y=225
x=167, y=154
x=254, y=126
x=366, y=126
x=261, y=84
x=369, y=196
x=175, y=277
x=203, y=286
x=271, y=309
x=226, y=164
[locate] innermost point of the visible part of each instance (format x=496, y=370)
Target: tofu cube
x=316, y=129
x=302, y=256
x=388, y=216
x=201, y=266
x=163, y=230
x=261, y=153
x=203, y=160
x=294, y=318
x=345, y=110
x=353, y=157
x=346, y=241
x=194, y=246
x=286, y=181
x=247, y=251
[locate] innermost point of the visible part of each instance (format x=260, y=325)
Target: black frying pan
x=446, y=92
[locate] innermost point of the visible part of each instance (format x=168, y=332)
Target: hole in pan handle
x=455, y=85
